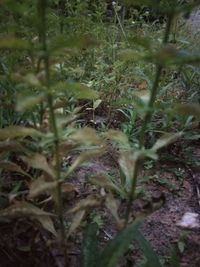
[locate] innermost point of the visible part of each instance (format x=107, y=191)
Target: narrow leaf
x=13, y=43
x=47, y=224
x=78, y=90
x=12, y=167
x=83, y=157
x=152, y=258
x=83, y=204
x=38, y=161
x=23, y=208
x=86, y=136
x=189, y=109
x=17, y=131
x=165, y=140
x=40, y=186
x=11, y=146
x=89, y=252
x=112, y=206
x=77, y=218
x=96, y=103
x=27, y=102
x=117, y=247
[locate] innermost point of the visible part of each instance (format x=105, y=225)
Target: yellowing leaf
x=77, y=219
x=118, y=136
x=27, y=102
x=142, y=85
x=144, y=95
x=96, y=103
x=38, y=161
x=47, y=224
x=86, y=136
x=67, y=188
x=83, y=157
x=32, y=79
x=189, y=109
x=83, y=204
x=129, y=55
x=77, y=90
x=127, y=162
x=17, y=131
x=11, y=146
x=166, y=139
x=79, y=42
x=113, y=206
x=13, y=43
x=23, y=208
x=12, y=167
x=103, y=181
x=41, y=186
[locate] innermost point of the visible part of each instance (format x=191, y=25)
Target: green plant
x=50, y=91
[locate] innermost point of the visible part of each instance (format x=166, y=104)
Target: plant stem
x=146, y=121
x=132, y=192
x=42, y=30
x=62, y=13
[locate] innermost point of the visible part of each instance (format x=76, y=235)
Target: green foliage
x=60, y=60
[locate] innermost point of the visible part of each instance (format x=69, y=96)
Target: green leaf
x=89, y=252
x=117, y=247
x=152, y=258
x=120, y=244
x=174, y=258
x=18, y=131
x=78, y=90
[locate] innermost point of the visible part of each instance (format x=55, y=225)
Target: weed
x=61, y=58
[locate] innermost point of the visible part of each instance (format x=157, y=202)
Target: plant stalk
x=146, y=121
x=59, y=204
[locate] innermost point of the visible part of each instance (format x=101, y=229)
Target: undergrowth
x=76, y=78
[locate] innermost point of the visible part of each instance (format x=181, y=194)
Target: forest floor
x=173, y=179
x=178, y=182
